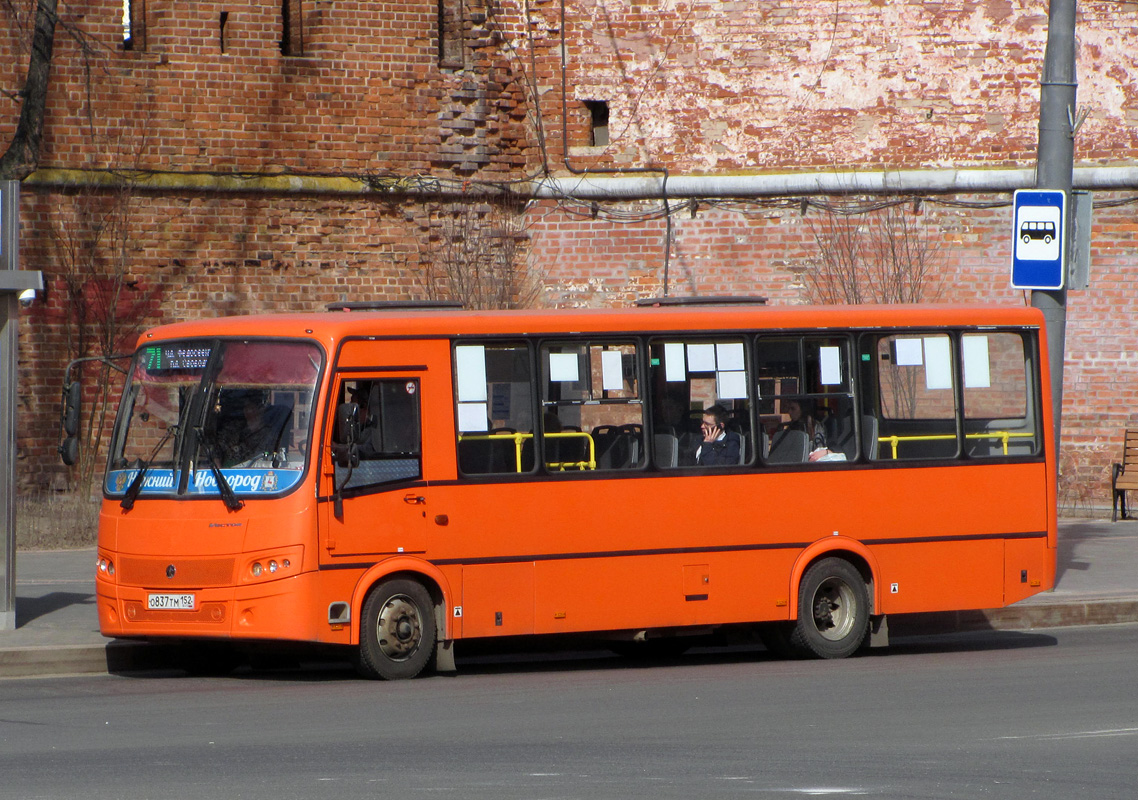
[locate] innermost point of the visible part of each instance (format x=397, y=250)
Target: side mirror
x=69, y=451
x=72, y=402
x=346, y=434
x=347, y=423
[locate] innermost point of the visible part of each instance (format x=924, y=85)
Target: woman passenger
x=801, y=413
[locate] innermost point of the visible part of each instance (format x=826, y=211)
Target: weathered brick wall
x=367, y=96
x=702, y=87
x=193, y=257
x=768, y=252
x=708, y=86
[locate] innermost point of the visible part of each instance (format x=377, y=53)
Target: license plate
x=170, y=602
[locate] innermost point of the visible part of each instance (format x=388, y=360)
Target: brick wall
x=701, y=87
x=766, y=252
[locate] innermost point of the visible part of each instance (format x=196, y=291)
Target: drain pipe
x=799, y=184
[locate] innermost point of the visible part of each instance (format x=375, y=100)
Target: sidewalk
x=57, y=631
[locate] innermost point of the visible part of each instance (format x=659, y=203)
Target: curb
x=130, y=656
x=74, y=659
x=1022, y=618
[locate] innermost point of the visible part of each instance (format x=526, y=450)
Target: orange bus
x=395, y=481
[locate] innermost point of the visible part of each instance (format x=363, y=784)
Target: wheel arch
x=424, y=573
x=851, y=550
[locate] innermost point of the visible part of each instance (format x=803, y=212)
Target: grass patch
x=56, y=522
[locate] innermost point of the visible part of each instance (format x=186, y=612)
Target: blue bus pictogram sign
x=1039, y=254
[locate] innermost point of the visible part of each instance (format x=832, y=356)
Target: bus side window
x=999, y=404
x=592, y=412
x=806, y=403
x=494, y=401
x=916, y=401
x=390, y=431
x=688, y=378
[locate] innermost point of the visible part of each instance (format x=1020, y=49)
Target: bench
x=1124, y=476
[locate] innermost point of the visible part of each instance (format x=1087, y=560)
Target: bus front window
x=194, y=410
x=149, y=431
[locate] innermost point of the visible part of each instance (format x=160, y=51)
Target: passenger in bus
x=802, y=418
x=717, y=448
x=671, y=417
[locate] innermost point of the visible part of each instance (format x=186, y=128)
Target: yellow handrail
x=561, y=465
x=1003, y=436
x=519, y=438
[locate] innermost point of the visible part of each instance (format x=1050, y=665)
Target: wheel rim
x=399, y=628
x=834, y=609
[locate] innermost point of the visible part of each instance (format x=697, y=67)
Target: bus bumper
x=286, y=609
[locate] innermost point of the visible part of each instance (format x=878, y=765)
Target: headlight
x=273, y=566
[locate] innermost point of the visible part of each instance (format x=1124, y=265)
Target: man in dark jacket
x=718, y=449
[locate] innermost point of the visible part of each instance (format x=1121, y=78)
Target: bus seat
x=840, y=435
x=667, y=449
x=606, y=440
x=633, y=434
x=742, y=440
x=837, y=428
x=789, y=447
x=617, y=446
x=276, y=419
x=869, y=434
x=688, y=442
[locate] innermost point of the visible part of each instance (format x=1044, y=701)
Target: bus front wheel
x=397, y=633
x=833, y=610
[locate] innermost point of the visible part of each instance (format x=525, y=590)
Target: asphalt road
x=1005, y=715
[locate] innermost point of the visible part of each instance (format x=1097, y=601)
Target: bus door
x=377, y=506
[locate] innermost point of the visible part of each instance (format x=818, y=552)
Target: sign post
x=1054, y=171
x=13, y=282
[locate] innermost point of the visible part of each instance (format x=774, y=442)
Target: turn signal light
x=279, y=566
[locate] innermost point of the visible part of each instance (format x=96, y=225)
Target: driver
x=257, y=436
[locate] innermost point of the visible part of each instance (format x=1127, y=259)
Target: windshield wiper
x=228, y=496
x=135, y=487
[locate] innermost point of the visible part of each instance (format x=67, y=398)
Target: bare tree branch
x=881, y=256
x=477, y=256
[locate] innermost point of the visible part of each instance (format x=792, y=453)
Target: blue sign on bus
x=1039, y=253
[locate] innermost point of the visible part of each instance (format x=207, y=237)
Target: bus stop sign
x=1039, y=254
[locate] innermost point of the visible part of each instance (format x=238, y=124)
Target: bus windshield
x=196, y=409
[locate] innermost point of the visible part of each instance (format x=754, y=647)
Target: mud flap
x=879, y=631
x=444, y=656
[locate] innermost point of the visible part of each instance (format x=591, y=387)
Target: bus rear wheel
x=397, y=633
x=833, y=610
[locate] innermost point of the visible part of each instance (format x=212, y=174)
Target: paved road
x=57, y=631
x=1003, y=715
